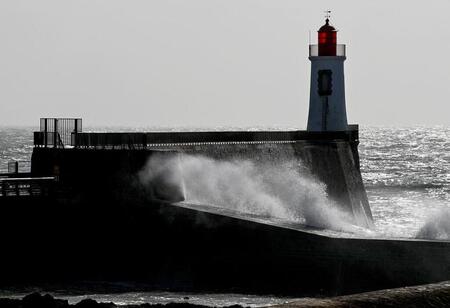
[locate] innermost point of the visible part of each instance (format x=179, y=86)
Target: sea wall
x=111, y=171
x=108, y=175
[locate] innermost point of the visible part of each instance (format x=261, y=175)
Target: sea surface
x=406, y=171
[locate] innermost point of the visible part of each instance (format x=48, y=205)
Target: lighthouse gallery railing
x=314, y=50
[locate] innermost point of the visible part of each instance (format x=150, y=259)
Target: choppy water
x=407, y=175
x=406, y=172
x=15, y=144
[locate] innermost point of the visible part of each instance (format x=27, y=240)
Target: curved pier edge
x=430, y=295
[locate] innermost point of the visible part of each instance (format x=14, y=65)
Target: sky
x=209, y=63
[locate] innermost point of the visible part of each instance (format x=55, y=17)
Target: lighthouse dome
x=327, y=27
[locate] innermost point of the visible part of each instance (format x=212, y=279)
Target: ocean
x=406, y=171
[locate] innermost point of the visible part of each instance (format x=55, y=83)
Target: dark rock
x=9, y=303
x=90, y=303
x=180, y=305
x=46, y=301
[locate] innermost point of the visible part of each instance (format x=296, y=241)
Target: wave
x=437, y=226
x=270, y=190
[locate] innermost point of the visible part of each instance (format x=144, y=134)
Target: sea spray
x=276, y=190
x=437, y=226
x=162, y=178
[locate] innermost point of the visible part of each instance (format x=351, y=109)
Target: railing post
x=17, y=188
x=45, y=133
x=75, y=133
x=3, y=188
x=55, y=133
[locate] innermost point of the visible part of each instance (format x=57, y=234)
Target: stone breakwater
x=431, y=295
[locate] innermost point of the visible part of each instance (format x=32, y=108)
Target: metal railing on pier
x=57, y=132
x=137, y=140
x=18, y=187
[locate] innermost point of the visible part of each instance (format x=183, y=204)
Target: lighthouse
x=327, y=110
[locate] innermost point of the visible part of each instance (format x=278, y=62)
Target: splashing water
x=437, y=226
x=270, y=190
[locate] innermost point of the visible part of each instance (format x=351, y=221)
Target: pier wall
x=332, y=162
x=107, y=176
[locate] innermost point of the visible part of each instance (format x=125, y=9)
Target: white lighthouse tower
x=327, y=96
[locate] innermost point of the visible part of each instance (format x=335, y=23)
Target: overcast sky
x=208, y=63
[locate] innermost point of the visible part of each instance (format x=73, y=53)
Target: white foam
x=437, y=226
x=270, y=189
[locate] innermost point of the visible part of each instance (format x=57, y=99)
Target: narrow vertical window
x=325, y=87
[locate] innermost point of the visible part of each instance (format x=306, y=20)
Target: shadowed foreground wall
x=164, y=246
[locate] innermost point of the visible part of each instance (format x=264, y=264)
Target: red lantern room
x=327, y=38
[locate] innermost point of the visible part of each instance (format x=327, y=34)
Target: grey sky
x=209, y=63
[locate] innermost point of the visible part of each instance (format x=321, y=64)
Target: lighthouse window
x=324, y=83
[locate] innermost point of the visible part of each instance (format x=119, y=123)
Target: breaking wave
x=266, y=189
x=437, y=226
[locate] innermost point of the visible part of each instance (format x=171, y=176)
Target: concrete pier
x=101, y=224
x=330, y=157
